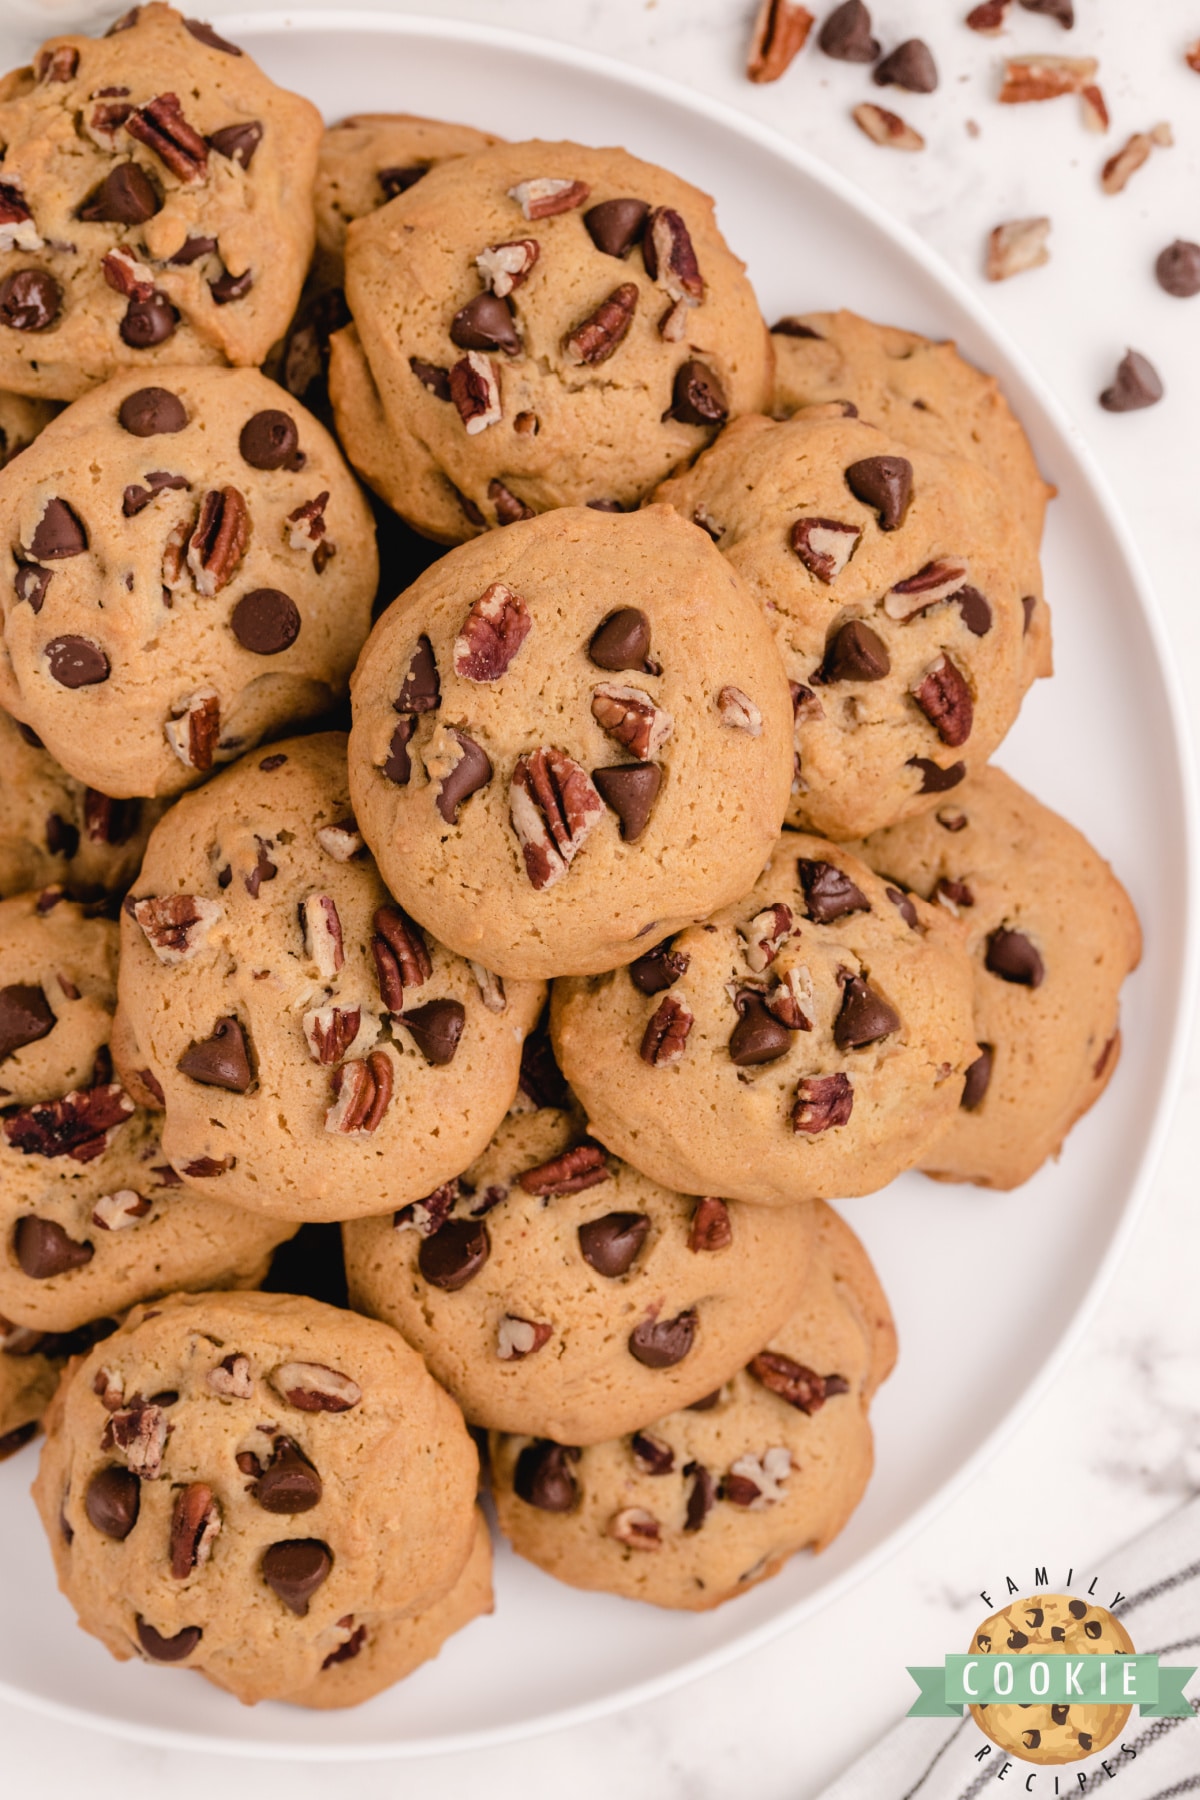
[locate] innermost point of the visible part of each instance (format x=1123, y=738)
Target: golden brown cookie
x=1051, y=935
x=1051, y=1625
x=698, y=1507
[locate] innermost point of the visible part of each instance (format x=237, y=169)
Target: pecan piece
x=505, y=266
x=651, y=1455
x=117, y=1211
x=824, y=546
x=78, y=1125
x=362, y=1092
x=126, y=275
x=701, y=1496
x=780, y=33
x=553, y=806
x=231, y=1378
x=1044, y=77
x=342, y=841
x=944, y=697
x=885, y=127
x=509, y=509
x=792, y=999
x=334, y=1032
x=518, y=1338
x=491, y=988
x=322, y=934
x=17, y=229
x=988, y=17
x=630, y=716
x=576, y=1169
x=176, y=925
x=140, y=1431
x=766, y=934
x=546, y=195
x=596, y=338
x=711, y=1227
x=670, y=257
x=475, y=391
x=491, y=634
x=1130, y=157
x=936, y=581
x=430, y=1214
x=739, y=711
x=636, y=1528
x=758, y=1482
x=195, y=1523
x=801, y=1387
x=666, y=1034
x=312, y=1387
x=401, y=956
x=822, y=1102
x=218, y=543
x=1094, y=108
x=161, y=126
x=58, y=64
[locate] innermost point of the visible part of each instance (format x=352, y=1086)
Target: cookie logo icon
x=1058, y=1730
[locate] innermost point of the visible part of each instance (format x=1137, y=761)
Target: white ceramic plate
x=989, y=1290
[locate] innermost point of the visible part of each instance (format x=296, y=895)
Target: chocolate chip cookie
x=547, y=325
x=893, y=578
x=318, y=1054
x=1051, y=935
x=698, y=1507
x=569, y=739
x=554, y=1290
x=92, y=1216
x=31, y=1367
x=806, y=1042
x=237, y=1483
x=184, y=569
x=1051, y=1625
x=155, y=206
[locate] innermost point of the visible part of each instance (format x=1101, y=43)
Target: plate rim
x=903, y=237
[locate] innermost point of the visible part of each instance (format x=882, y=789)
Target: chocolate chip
x=148, y=322
x=266, y=621
x=471, y=772
x=661, y=1343
x=203, y=33
x=1137, y=385
x=701, y=1497
x=976, y=613
x=436, y=1028
x=846, y=34
x=615, y=226
x=62, y=838
x=884, y=483
x=289, y=1484
x=126, y=196
x=1016, y=1640
x=111, y=1502
x=621, y=640
x=542, y=1476
x=152, y=412
x=59, y=533
x=910, y=65
x=1061, y=10
x=30, y=300
x=757, y=1037
x=229, y=287
x=659, y=968
x=434, y=377
x=935, y=779
x=1059, y=1714
x=76, y=662
x=794, y=328
x=611, y=1245
x=903, y=905
x=608, y=506
x=1077, y=1609
x=238, y=142
x=829, y=892
x=454, y=1254
x=44, y=1250
x=191, y=250
x=397, y=766
x=864, y=1018
x=855, y=653
x=30, y=584
x=399, y=180
x=977, y=1079
x=264, y=870
x=651, y=1454
x=295, y=1569
x=168, y=1649
x=630, y=790
x=1178, y=269
x=269, y=440
x=25, y=1016
x=136, y=499
x=697, y=397
x=1012, y=957
x=421, y=691
x=485, y=323
x=221, y=1060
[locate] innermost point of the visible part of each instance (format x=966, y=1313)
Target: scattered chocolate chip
x=975, y=610
x=659, y=968
x=272, y=762
x=661, y=1343
x=615, y=226
x=148, y=322
x=221, y=1060
x=757, y=1037
x=60, y=533
x=269, y=440
x=398, y=180
x=295, y=1569
x=398, y=764
x=192, y=250
x=608, y=506
x=1178, y=269
x=697, y=397
x=621, y=641
x=237, y=143
x=436, y=1028
x=30, y=300
x=421, y=690
x=30, y=584
x=910, y=65
x=977, y=1079
x=794, y=328
x=855, y=653
x=25, y=1016
x=846, y=34
x=711, y=1228
x=612, y=1244
x=168, y=1649
x=229, y=287
x=904, y=906
x=485, y=323
x=264, y=870
x=1137, y=385
x=884, y=483
x=829, y=893
x=864, y=1018
x=1012, y=957
x=265, y=621
x=44, y=1250
x=454, y=1254
x=152, y=412
x=431, y=376
x=136, y=499
x=76, y=662
x=471, y=772
x=650, y=1454
x=112, y=1500
x=934, y=778
x=126, y=196
x=702, y=1495
x=289, y=1484
x=543, y=1478
x=630, y=790
x=203, y=33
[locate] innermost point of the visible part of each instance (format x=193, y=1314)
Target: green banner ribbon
x=1051, y=1680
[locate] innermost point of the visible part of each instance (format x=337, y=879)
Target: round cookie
x=234, y=1483
x=547, y=773
x=20, y=421
x=318, y=1057
x=1051, y=935
x=558, y=1292
x=1051, y=1625
x=922, y=391
x=31, y=1366
x=807, y=1042
x=157, y=205
x=705, y=1503
x=376, y=1656
x=893, y=579
x=183, y=570
x=92, y=1217
x=53, y=829
x=548, y=325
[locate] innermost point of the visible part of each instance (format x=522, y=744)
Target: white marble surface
x=1116, y=1442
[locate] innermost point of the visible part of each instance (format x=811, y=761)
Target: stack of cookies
x=563, y=942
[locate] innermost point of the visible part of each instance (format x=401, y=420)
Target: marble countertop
x=1123, y=1417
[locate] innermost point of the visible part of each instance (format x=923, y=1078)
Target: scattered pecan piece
x=935, y=582
x=636, y=1528
x=401, y=955
x=780, y=33
x=1094, y=108
x=546, y=195
x=988, y=17
x=510, y=510
x=801, y=1387
x=758, y=1482
x=554, y=806
x=792, y=999
x=651, y=1455
x=766, y=934
x=491, y=988
x=491, y=634
x=430, y=1214
x=1015, y=247
x=17, y=229
x=77, y=1125
x=739, y=711
x=335, y=1032
x=362, y=1092
x=58, y=64
x=666, y=1034
x=886, y=128
x=1130, y=157
x=322, y=934
x=701, y=1496
x=218, y=543
x=518, y=1338
x=176, y=925
x=231, y=1378
x=576, y=1169
x=944, y=697
x=342, y=841
x=824, y=546
x=711, y=1227
x=505, y=266
x=312, y=1387
x=822, y=1102
x=1191, y=56
x=630, y=716
x=140, y=1431
x=1137, y=384
x=596, y=338
x=475, y=391
x=119, y=1210
x=670, y=257
x=1029, y=78
x=161, y=126
x=195, y=1524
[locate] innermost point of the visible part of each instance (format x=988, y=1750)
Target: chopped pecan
x=491, y=634
x=362, y=1092
x=576, y=1169
x=264, y=869
x=158, y=481
x=801, y=1387
x=554, y=806
x=475, y=391
x=218, y=543
x=509, y=509
x=792, y=999
x=739, y=711
x=824, y=546
x=109, y=1389
x=58, y=64
x=322, y=934
x=711, y=1227
x=1130, y=157
x=666, y=1034
x=545, y=195
x=758, y=1482
x=1093, y=107
x=105, y=120
x=596, y=338
x=1044, y=77
x=766, y=934
x=77, y=1126
x=780, y=33
x=117, y=1211
x=334, y=1032
x=176, y=925
x=822, y=1102
x=312, y=1387
x=952, y=894
x=140, y=1431
x=505, y=266
x=944, y=697
x=630, y=716
x=231, y=1378
x=161, y=126
x=1191, y=56
x=491, y=988
x=935, y=582
x=886, y=128
x=988, y=17
x=195, y=1524
x=17, y=229
x=651, y=1455
x=670, y=257
x=518, y=1338
x=126, y=275
x=342, y=841
x=401, y=956
x=307, y=527
x=173, y=556
x=636, y=1528
x=428, y=1215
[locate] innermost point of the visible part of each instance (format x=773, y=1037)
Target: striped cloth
x=933, y=1759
